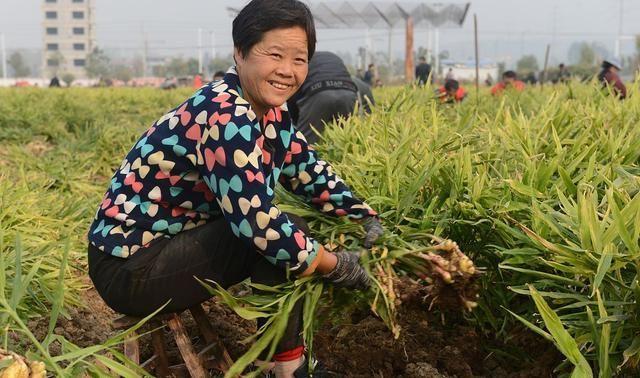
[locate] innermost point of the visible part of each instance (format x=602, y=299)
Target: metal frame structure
x=388, y=15
x=378, y=15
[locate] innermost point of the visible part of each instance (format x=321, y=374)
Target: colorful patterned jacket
x=210, y=158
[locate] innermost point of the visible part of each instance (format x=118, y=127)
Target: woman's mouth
x=280, y=86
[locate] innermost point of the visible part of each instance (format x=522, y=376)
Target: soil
x=427, y=346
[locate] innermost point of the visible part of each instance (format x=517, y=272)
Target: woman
x=194, y=196
x=611, y=80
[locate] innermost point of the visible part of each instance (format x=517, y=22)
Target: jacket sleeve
x=230, y=162
x=313, y=179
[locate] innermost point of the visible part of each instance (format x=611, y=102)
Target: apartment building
x=68, y=36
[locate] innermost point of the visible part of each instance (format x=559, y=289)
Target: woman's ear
x=237, y=55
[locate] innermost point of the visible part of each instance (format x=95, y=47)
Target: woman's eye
x=276, y=55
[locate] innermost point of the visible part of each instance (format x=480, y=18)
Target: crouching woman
x=194, y=195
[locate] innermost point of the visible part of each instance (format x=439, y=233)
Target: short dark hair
x=510, y=75
x=371, y=65
x=422, y=58
x=261, y=16
x=451, y=85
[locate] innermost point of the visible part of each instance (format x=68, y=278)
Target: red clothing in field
x=500, y=87
x=613, y=80
x=197, y=81
x=460, y=94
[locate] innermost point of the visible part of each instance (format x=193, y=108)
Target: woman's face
x=274, y=68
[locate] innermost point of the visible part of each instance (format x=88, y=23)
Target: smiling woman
x=273, y=70
x=194, y=195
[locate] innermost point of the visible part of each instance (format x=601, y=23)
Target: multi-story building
x=68, y=36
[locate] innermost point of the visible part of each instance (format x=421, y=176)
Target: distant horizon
x=507, y=31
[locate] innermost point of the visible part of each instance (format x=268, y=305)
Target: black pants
x=145, y=281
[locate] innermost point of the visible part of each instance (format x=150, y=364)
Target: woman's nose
x=285, y=68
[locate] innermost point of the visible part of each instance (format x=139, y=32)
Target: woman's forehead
x=294, y=37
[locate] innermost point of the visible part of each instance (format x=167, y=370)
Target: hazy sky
x=508, y=28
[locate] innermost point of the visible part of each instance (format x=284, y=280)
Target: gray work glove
x=374, y=230
x=348, y=272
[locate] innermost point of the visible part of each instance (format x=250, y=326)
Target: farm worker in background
x=194, y=197
x=219, y=75
x=611, y=80
x=423, y=71
x=563, y=75
x=197, y=81
x=370, y=75
x=327, y=94
x=55, y=82
x=509, y=81
x=451, y=92
x=450, y=75
x=488, y=81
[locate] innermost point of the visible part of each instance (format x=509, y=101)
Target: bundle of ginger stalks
x=444, y=276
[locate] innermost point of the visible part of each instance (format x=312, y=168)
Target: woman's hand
x=374, y=230
x=348, y=272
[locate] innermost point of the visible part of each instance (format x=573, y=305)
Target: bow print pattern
x=210, y=158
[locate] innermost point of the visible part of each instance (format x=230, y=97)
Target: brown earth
x=427, y=346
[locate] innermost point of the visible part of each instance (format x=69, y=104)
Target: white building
x=466, y=71
x=68, y=36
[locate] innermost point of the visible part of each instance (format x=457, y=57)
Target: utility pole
x=437, y=52
x=477, y=53
x=145, y=55
x=429, y=45
x=369, y=54
x=213, y=45
x=617, y=45
x=408, y=51
x=4, y=56
x=200, y=50
x=389, y=51
x=546, y=65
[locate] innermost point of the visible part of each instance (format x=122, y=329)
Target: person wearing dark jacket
x=423, y=71
x=611, y=80
x=55, y=82
x=365, y=95
x=328, y=93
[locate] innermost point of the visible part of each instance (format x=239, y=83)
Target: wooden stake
x=546, y=62
x=162, y=362
x=132, y=347
x=475, y=32
x=408, y=52
x=223, y=358
x=194, y=364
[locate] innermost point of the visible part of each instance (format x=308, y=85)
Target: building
x=466, y=71
x=68, y=37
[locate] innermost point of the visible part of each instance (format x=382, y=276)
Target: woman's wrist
x=324, y=263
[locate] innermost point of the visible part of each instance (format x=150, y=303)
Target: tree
x=97, y=64
x=528, y=63
x=18, y=64
x=122, y=72
x=587, y=55
x=137, y=66
x=68, y=78
x=220, y=64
